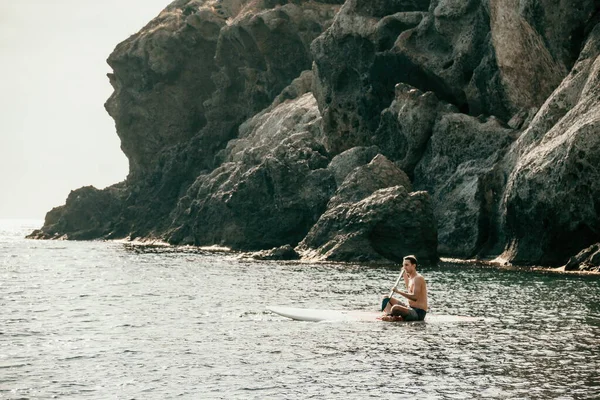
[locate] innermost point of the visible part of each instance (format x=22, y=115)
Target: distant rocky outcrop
x=357, y=130
x=89, y=213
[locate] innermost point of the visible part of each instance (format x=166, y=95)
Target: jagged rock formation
x=187, y=80
x=490, y=106
x=411, y=70
x=373, y=216
x=271, y=188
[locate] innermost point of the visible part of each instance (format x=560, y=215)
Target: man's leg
x=407, y=313
x=392, y=314
x=390, y=304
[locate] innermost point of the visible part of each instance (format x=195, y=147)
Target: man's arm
x=416, y=291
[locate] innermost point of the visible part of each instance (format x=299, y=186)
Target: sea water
x=110, y=320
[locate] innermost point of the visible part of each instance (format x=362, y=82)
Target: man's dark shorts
x=416, y=314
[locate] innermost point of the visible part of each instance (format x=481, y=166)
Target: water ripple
x=107, y=320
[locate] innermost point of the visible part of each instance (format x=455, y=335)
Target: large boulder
x=385, y=226
x=361, y=224
x=344, y=163
x=552, y=198
x=365, y=180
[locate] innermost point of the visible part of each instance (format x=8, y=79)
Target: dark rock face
x=496, y=58
x=89, y=213
x=258, y=57
x=407, y=125
x=453, y=157
x=587, y=260
x=351, y=94
x=159, y=96
x=385, y=226
x=483, y=57
x=271, y=189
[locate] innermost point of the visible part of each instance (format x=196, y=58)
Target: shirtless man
x=416, y=295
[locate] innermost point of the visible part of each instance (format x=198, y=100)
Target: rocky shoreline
x=357, y=131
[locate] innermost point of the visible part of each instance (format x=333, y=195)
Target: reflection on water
x=108, y=320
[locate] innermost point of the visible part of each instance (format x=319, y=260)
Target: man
x=416, y=295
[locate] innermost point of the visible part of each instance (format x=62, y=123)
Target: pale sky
x=55, y=135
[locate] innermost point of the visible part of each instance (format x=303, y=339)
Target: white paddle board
x=316, y=315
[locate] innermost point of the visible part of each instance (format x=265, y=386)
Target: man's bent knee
x=396, y=310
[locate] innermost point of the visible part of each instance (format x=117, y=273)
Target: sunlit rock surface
x=363, y=181
x=552, y=199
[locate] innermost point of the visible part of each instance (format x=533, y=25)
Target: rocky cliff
x=357, y=131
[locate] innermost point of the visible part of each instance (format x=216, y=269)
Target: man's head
x=410, y=264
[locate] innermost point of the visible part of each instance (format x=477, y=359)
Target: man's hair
x=412, y=259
